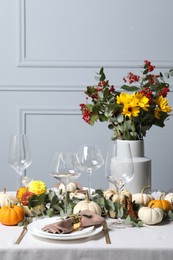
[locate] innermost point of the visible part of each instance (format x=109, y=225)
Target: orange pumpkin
x=162, y=204
x=11, y=215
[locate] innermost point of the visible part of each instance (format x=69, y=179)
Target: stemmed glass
x=91, y=159
x=19, y=155
x=119, y=170
x=65, y=167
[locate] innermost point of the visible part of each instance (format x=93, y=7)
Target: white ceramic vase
x=142, y=165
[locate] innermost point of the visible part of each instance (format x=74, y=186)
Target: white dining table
x=131, y=243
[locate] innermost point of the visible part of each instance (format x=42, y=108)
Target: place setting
x=88, y=225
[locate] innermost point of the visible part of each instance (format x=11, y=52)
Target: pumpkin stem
x=147, y=187
x=161, y=196
x=10, y=204
x=151, y=205
x=87, y=196
x=5, y=190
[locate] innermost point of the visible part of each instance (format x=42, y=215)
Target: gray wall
x=51, y=50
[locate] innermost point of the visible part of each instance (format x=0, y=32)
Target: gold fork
x=22, y=234
x=106, y=232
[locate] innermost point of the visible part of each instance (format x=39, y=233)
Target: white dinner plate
x=33, y=229
x=41, y=223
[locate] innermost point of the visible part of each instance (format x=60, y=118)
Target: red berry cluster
x=149, y=66
x=101, y=83
x=148, y=93
x=163, y=92
x=132, y=78
x=151, y=79
x=86, y=114
x=112, y=89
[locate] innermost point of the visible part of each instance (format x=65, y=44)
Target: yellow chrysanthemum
x=124, y=98
x=20, y=193
x=141, y=101
x=37, y=187
x=130, y=110
x=163, y=104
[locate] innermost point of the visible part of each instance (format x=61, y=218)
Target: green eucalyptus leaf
x=50, y=212
x=170, y=214
x=130, y=88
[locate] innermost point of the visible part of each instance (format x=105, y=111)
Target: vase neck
x=137, y=147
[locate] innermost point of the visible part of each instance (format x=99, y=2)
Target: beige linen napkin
x=86, y=218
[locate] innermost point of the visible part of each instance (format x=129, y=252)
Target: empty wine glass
x=19, y=156
x=65, y=167
x=91, y=159
x=119, y=170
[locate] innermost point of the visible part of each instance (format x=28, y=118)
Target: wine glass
x=119, y=170
x=65, y=167
x=91, y=159
x=19, y=156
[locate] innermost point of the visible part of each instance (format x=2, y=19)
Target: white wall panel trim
x=23, y=61
x=24, y=112
x=50, y=88
x=43, y=88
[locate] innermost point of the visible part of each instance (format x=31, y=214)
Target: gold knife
x=22, y=234
x=106, y=232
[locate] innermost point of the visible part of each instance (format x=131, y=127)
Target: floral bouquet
x=130, y=113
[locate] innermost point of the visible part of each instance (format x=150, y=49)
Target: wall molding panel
x=51, y=88
x=26, y=61
x=42, y=88
x=25, y=112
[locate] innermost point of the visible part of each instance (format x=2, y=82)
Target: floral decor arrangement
x=141, y=104
x=35, y=199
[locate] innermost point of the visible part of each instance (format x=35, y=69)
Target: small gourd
x=6, y=198
x=11, y=215
x=71, y=187
x=125, y=194
x=169, y=197
x=87, y=205
x=142, y=198
x=113, y=195
x=150, y=216
x=162, y=204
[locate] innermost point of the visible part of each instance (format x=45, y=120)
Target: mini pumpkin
x=70, y=187
x=169, y=197
x=11, y=215
x=162, y=204
x=6, y=198
x=87, y=205
x=150, y=216
x=142, y=198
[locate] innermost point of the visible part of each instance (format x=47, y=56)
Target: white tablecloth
x=151, y=242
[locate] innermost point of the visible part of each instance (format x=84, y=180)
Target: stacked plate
x=35, y=228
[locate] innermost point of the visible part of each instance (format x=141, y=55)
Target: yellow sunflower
x=124, y=98
x=163, y=104
x=130, y=110
x=141, y=101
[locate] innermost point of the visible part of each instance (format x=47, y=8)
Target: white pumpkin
x=150, y=216
x=71, y=187
x=6, y=198
x=169, y=197
x=142, y=198
x=87, y=205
